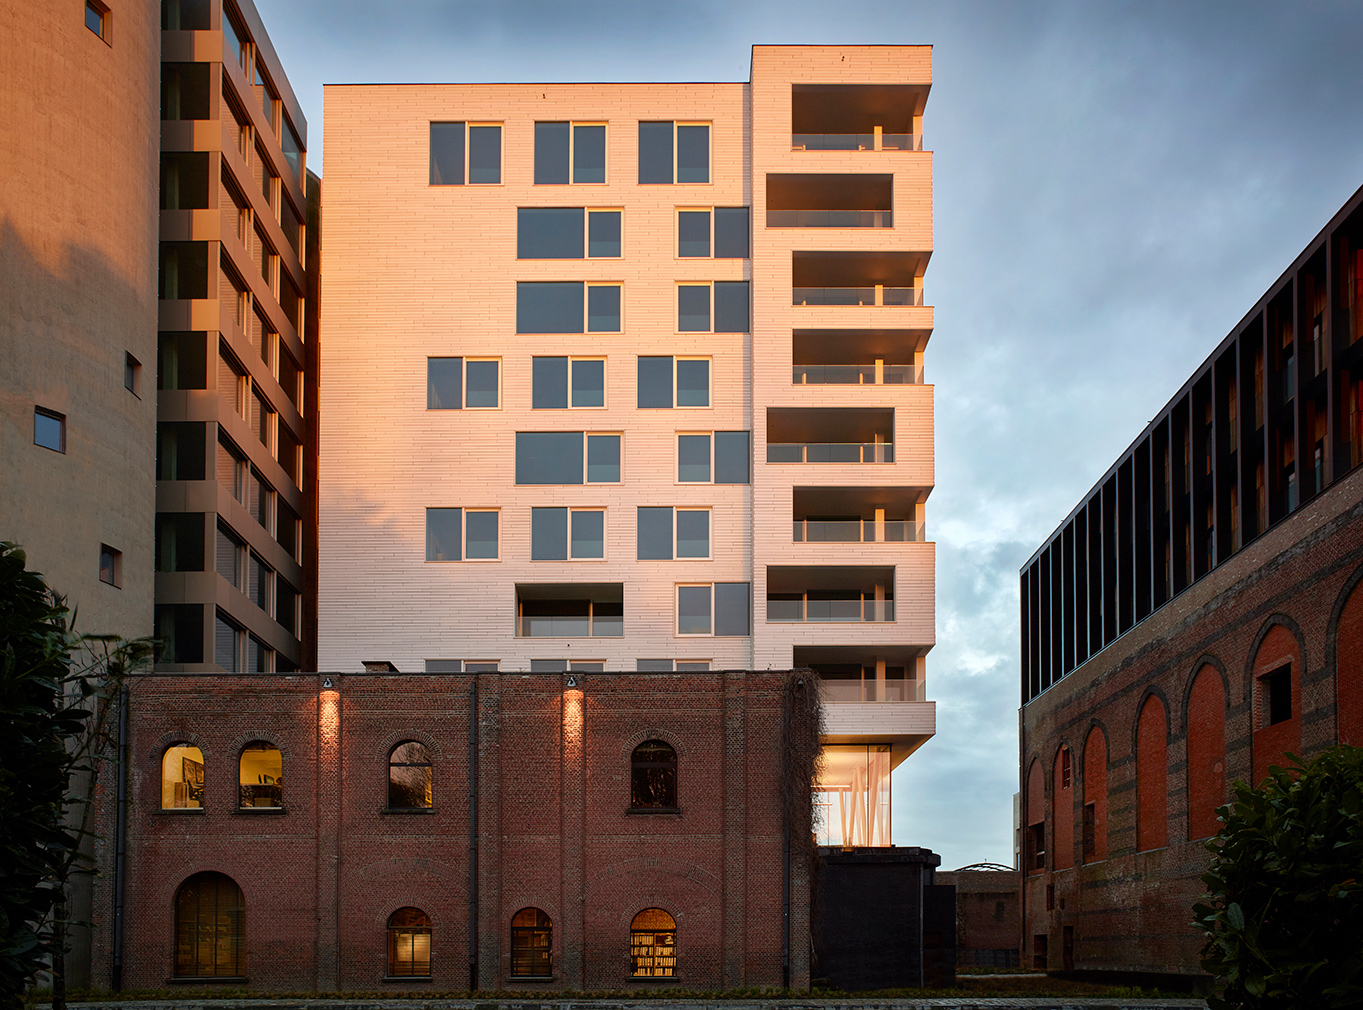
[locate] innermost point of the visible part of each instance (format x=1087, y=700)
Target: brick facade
x=550, y=759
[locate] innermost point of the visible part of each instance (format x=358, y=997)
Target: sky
x=1116, y=184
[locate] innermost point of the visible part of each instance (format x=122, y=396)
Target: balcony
x=856, y=117
x=857, y=278
x=857, y=357
x=877, y=374
x=877, y=294
x=830, y=201
x=830, y=435
x=827, y=595
x=857, y=531
x=858, y=515
x=570, y=610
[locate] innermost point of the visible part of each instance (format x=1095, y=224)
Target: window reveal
x=409, y=944
x=653, y=945
x=409, y=777
x=653, y=776
x=532, y=941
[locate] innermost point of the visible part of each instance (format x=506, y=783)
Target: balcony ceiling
x=855, y=347
x=898, y=502
x=801, y=578
x=857, y=269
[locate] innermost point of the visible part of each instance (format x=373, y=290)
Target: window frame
x=664, y=971
x=464, y=361
x=199, y=937
x=428, y=763
x=396, y=932
x=637, y=764
x=587, y=436
x=464, y=171
x=675, y=359
x=103, y=18
x=568, y=542
x=193, y=800
x=674, y=542
x=676, y=245
x=676, y=298
x=586, y=307
x=587, y=213
x=714, y=457
x=278, y=784
x=712, y=633
x=50, y=415
x=709, y=152
x=534, y=931
x=573, y=125
x=464, y=512
x=571, y=360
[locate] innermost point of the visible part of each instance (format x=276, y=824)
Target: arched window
x=1062, y=811
x=1206, y=752
x=409, y=944
x=653, y=944
x=209, y=923
x=1152, y=776
x=1095, y=796
x=532, y=941
x=653, y=776
x=182, y=778
x=1034, y=843
x=1349, y=670
x=261, y=782
x=409, y=777
x=1277, y=700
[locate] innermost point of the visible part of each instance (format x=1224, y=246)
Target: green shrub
x=1285, y=920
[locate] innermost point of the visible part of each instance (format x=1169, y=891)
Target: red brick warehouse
x=295, y=832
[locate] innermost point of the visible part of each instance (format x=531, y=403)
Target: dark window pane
x=733, y=608
x=603, y=308
x=655, y=382
x=653, y=666
x=548, y=383
x=699, y=666
x=485, y=154
x=693, y=383
x=731, y=232
x=551, y=457
x=483, y=386
x=444, y=383
x=182, y=361
x=444, y=666
x=693, y=533
x=603, y=233
x=653, y=775
x=589, y=383
x=49, y=431
x=731, y=307
x=549, y=307
x=179, y=542
x=654, y=536
x=589, y=154
x=551, y=154
x=693, y=308
x=603, y=459
x=447, y=154
x=549, y=233
x=693, y=154
x=693, y=610
x=693, y=233
x=180, y=453
x=693, y=458
x=732, y=457
x=608, y=619
x=548, y=666
x=444, y=529
x=655, y=152
x=480, y=535
x=549, y=534
x=589, y=534
x=180, y=629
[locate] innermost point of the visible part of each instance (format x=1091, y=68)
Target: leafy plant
x=1285, y=920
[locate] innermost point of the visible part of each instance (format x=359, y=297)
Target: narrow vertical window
x=182, y=778
x=653, y=944
x=653, y=776
x=532, y=943
x=209, y=927
x=409, y=944
x=260, y=776
x=409, y=777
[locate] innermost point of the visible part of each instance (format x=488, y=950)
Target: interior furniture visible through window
x=532, y=942
x=261, y=776
x=653, y=945
x=182, y=778
x=409, y=944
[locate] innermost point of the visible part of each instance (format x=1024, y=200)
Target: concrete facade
x=1192, y=622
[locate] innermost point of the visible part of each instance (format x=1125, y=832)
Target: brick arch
x=1034, y=814
x=1094, y=797
x=1278, y=645
x=1062, y=808
x=1344, y=654
x=235, y=745
x=1152, y=691
x=403, y=735
x=165, y=740
x=1204, y=715
x=1151, y=732
x=667, y=736
x=1213, y=664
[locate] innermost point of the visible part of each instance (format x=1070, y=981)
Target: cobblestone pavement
x=963, y=1002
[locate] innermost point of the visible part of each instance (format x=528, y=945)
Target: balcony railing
x=830, y=219
x=830, y=611
x=830, y=452
x=873, y=295
x=857, y=531
x=856, y=375
x=855, y=142
x=853, y=690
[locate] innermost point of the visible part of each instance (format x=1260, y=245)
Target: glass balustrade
x=830, y=452
x=786, y=610
x=857, y=531
x=857, y=296
x=855, y=142
x=856, y=375
x=830, y=219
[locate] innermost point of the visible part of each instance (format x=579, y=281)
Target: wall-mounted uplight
x=572, y=681
x=326, y=684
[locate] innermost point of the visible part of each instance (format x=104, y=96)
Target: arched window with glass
x=653, y=776
x=409, y=944
x=532, y=942
x=409, y=777
x=653, y=945
x=261, y=776
x=209, y=927
x=182, y=777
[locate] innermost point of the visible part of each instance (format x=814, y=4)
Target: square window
x=665, y=382
x=458, y=383
x=693, y=308
x=674, y=152
x=603, y=233
x=132, y=375
x=97, y=18
x=693, y=533
x=693, y=233
x=452, y=159
x=603, y=308
x=557, y=382
x=569, y=151
x=731, y=313
x=732, y=609
x=664, y=533
x=49, y=429
x=549, y=307
x=110, y=565
x=718, y=232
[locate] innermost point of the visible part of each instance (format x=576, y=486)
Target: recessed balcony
x=830, y=435
x=857, y=515
x=830, y=201
x=857, y=357
x=570, y=610
x=856, y=117
x=810, y=594
x=857, y=278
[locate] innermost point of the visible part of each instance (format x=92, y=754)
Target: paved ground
x=963, y=1002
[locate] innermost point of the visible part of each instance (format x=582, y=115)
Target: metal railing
x=830, y=452
x=830, y=219
x=872, y=295
x=855, y=142
x=809, y=611
x=856, y=375
x=857, y=531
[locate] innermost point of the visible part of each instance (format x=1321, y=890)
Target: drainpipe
x=120, y=838
x=785, y=852
x=473, y=835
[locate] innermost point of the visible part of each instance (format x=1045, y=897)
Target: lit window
x=49, y=429
x=653, y=944
x=97, y=18
x=558, y=457
x=110, y=565
x=261, y=776
x=713, y=232
x=409, y=944
x=479, y=159
x=730, y=452
x=653, y=776
x=532, y=943
x=409, y=777
x=182, y=778
x=730, y=304
x=666, y=382
x=209, y=927
x=454, y=534
x=565, y=151
x=674, y=152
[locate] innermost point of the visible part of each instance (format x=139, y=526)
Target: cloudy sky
x=1116, y=184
